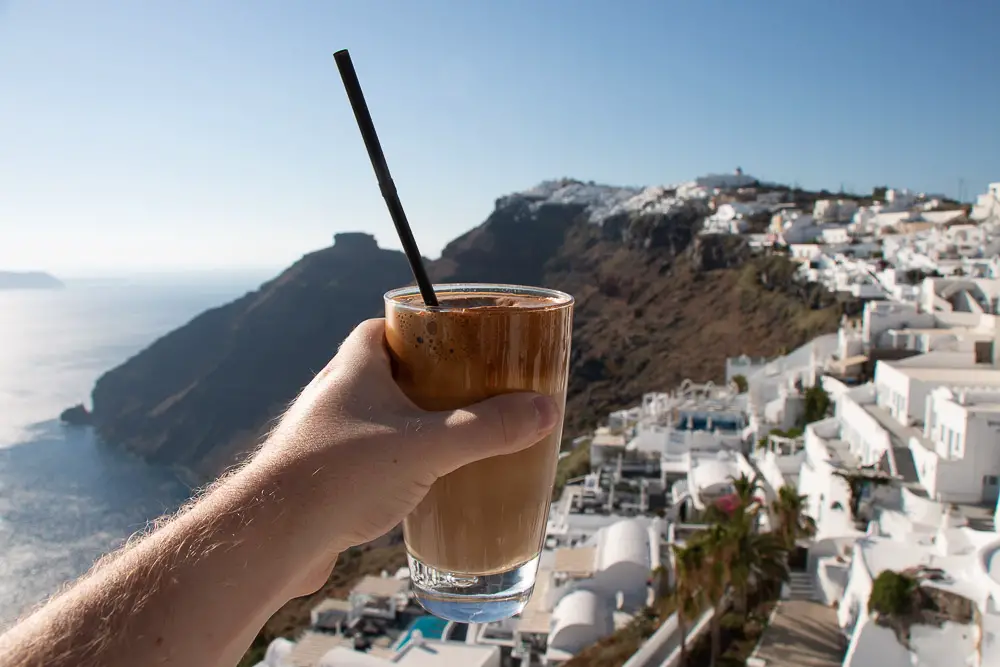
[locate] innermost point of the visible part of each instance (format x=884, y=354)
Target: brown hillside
x=656, y=303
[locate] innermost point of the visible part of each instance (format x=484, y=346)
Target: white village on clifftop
x=833, y=506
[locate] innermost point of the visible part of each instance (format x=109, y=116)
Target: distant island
x=28, y=280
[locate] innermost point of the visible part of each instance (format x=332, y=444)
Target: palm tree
x=746, y=489
x=767, y=563
x=754, y=557
x=689, y=564
x=790, y=519
x=733, y=555
x=716, y=577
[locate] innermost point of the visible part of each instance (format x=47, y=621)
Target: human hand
x=348, y=461
x=359, y=456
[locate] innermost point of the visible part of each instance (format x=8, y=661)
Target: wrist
x=299, y=510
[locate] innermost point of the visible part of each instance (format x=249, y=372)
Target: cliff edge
x=656, y=302
x=199, y=396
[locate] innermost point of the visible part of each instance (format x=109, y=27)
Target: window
x=989, y=480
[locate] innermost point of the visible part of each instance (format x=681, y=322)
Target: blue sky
x=191, y=134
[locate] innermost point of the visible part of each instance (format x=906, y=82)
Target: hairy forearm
x=193, y=593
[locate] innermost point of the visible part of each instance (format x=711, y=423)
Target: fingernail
x=546, y=413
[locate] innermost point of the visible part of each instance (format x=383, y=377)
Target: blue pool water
x=431, y=627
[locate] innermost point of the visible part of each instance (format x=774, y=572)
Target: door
x=991, y=489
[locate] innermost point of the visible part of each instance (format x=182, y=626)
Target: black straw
x=388, y=188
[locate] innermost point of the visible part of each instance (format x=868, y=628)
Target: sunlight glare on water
x=65, y=498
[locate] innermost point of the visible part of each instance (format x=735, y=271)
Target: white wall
x=649, y=438
x=867, y=291
x=947, y=480
x=628, y=578
x=920, y=509
x=771, y=471
x=950, y=644
x=875, y=646
x=963, y=443
x=967, y=442
x=784, y=412
x=744, y=366
x=806, y=251
x=821, y=487
x=834, y=387
x=880, y=316
x=959, y=319
x=927, y=463
x=862, y=431
x=835, y=235
x=983, y=437
x=893, y=392
x=829, y=566
x=853, y=609
x=841, y=210
x=946, y=425
x=849, y=341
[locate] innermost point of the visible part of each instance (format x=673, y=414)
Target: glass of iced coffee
x=473, y=543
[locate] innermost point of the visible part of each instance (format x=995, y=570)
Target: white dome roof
x=277, y=651
x=342, y=656
x=579, y=619
x=712, y=472
x=626, y=541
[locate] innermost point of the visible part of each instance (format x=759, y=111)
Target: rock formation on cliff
x=78, y=415
x=199, y=396
x=656, y=303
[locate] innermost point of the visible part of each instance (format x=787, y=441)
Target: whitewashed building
x=957, y=456
x=987, y=207
x=835, y=210
x=939, y=549
x=585, y=589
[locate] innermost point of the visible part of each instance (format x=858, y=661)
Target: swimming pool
x=431, y=627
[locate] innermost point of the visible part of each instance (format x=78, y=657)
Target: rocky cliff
x=199, y=396
x=656, y=303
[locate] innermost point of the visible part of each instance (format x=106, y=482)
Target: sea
x=66, y=498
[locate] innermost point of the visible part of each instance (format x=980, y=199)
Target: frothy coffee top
x=477, y=344
x=472, y=300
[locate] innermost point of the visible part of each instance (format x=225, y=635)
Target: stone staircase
x=800, y=586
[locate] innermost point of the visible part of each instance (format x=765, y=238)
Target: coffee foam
x=462, y=314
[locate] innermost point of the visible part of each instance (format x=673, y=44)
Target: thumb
x=500, y=425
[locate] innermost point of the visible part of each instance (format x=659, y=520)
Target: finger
x=499, y=425
x=367, y=341
x=363, y=346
